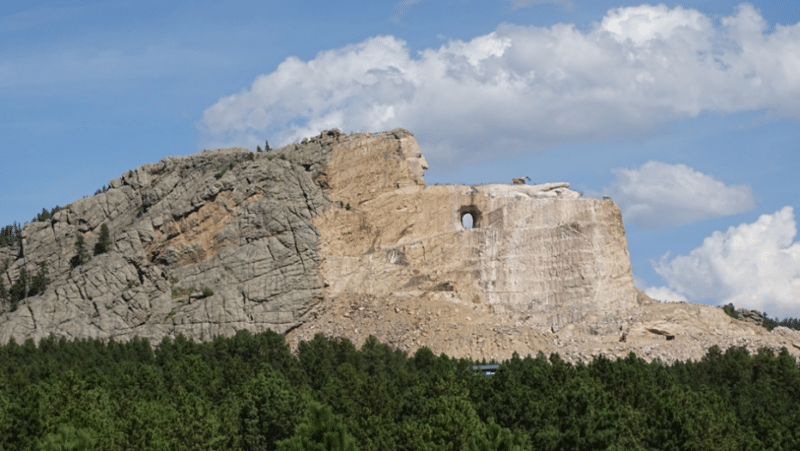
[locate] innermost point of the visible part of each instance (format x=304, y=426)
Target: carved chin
x=418, y=167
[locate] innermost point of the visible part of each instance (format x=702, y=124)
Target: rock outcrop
x=232, y=221
x=340, y=235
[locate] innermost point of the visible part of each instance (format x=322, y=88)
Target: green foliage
x=10, y=235
x=81, y=254
x=347, y=207
x=19, y=289
x=270, y=410
x=321, y=430
x=3, y=291
x=178, y=292
x=769, y=323
x=45, y=214
x=219, y=174
x=68, y=439
x=103, y=241
x=39, y=281
x=206, y=292
x=249, y=392
x=730, y=310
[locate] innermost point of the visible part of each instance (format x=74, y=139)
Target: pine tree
x=11, y=234
x=19, y=290
x=322, y=430
x=43, y=216
x=6, y=234
x=82, y=255
x=3, y=292
x=103, y=241
x=39, y=281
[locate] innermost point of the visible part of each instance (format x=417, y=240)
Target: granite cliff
x=340, y=235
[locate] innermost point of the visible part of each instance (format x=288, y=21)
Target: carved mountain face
x=340, y=235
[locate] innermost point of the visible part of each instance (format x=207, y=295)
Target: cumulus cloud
x=755, y=266
x=526, y=88
x=664, y=294
x=660, y=293
x=658, y=195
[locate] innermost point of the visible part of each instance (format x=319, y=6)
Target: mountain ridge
x=340, y=235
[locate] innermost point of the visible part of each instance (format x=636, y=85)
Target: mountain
x=340, y=235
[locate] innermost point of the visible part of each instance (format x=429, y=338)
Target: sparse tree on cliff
x=103, y=241
x=3, y=293
x=39, y=281
x=82, y=255
x=19, y=290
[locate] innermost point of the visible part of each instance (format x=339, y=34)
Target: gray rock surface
x=232, y=221
x=750, y=316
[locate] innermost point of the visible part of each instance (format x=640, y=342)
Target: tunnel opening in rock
x=469, y=217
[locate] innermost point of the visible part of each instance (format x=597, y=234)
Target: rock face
x=340, y=235
x=540, y=251
x=233, y=221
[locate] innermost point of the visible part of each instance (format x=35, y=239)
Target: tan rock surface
x=543, y=269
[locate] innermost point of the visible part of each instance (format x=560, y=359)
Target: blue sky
x=686, y=114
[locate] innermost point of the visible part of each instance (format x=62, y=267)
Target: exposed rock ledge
x=340, y=235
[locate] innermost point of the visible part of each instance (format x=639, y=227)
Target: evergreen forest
x=249, y=392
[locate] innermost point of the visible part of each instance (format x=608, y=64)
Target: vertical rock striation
x=541, y=251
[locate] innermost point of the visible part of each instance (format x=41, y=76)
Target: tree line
x=250, y=392
x=768, y=323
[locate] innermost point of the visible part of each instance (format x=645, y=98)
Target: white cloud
x=660, y=293
x=660, y=195
x=648, y=23
x=755, y=266
x=526, y=88
x=664, y=294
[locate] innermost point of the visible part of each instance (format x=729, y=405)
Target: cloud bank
x=526, y=88
x=755, y=266
x=658, y=195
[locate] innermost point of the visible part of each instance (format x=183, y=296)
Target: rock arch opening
x=469, y=216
